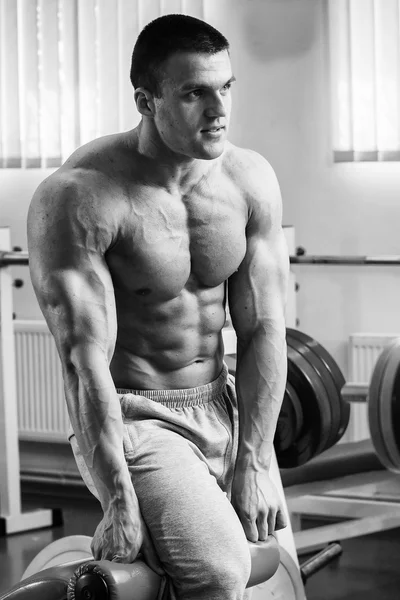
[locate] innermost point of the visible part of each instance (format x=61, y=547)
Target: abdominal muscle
x=172, y=345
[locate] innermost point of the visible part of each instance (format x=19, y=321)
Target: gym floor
x=368, y=568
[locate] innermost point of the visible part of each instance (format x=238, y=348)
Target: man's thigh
x=192, y=523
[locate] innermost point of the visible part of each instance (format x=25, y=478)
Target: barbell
x=316, y=406
x=13, y=258
x=314, y=415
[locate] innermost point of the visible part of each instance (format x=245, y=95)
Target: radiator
x=364, y=350
x=42, y=412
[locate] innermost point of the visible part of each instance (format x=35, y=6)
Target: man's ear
x=144, y=102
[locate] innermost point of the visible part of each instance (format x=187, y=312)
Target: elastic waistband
x=182, y=397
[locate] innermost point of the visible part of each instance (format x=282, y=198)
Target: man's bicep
x=79, y=307
x=71, y=279
x=257, y=291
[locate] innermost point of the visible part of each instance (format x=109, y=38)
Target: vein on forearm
x=260, y=383
x=97, y=422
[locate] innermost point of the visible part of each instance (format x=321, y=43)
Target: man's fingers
x=266, y=525
x=271, y=520
x=118, y=559
x=262, y=525
x=250, y=529
x=281, y=520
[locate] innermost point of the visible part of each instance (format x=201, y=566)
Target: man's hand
x=121, y=534
x=257, y=504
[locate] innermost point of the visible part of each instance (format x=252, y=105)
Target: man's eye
x=195, y=93
x=227, y=87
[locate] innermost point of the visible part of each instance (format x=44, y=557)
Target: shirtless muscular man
x=136, y=244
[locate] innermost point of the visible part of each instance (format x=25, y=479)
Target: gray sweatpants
x=180, y=447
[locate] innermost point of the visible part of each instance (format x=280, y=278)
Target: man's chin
x=211, y=151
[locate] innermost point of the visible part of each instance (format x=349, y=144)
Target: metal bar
x=13, y=258
x=22, y=258
x=309, y=539
x=345, y=260
x=355, y=392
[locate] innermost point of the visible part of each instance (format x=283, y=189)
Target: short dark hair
x=165, y=36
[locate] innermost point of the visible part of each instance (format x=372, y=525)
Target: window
x=365, y=79
x=64, y=73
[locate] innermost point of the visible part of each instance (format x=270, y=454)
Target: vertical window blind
x=64, y=73
x=365, y=79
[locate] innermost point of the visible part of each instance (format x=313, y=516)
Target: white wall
x=281, y=109
x=281, y=61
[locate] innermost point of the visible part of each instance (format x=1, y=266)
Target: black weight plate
x=389, y=400
x=396, y=415
x=302, y=451
x=305, y=446
x=324, y=404
x=323, y=355
x=290, y=420
x=295, y=400
x=328, y=383
x=286, y=426
x=374, y=408
x=344, y=420
x=309, y=389
x=330, y=363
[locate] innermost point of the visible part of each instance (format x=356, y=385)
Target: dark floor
x=18, y=550
x=368, y=569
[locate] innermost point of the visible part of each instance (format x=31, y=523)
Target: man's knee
x=226, y=573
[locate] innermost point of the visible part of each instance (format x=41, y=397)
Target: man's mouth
x=214, y=129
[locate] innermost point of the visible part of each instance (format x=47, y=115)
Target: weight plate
x=375, y=426
x=328, y=384
x=302, y=451
x=286, y=426
x=290, y=421
x=315, y=407
x=344, y=420
x=286, y=584
x=324, y=405
x=316, y=347
x=389, y=402
x=64, y=550
x=333, y=369
x=296, y=404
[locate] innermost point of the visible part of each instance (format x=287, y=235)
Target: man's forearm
x=260, y=384
x=96, y=419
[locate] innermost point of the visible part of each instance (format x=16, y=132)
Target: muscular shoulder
x=71, y=206
x=256, y=181
x=99, y=155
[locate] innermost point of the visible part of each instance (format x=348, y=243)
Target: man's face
x=192, y=115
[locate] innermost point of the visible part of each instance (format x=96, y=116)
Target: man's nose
x=216, y=107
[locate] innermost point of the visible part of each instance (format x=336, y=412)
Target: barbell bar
x=21, y=258
x=346, y=260
x=9, y=259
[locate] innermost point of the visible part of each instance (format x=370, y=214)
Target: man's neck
x=178, y=172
